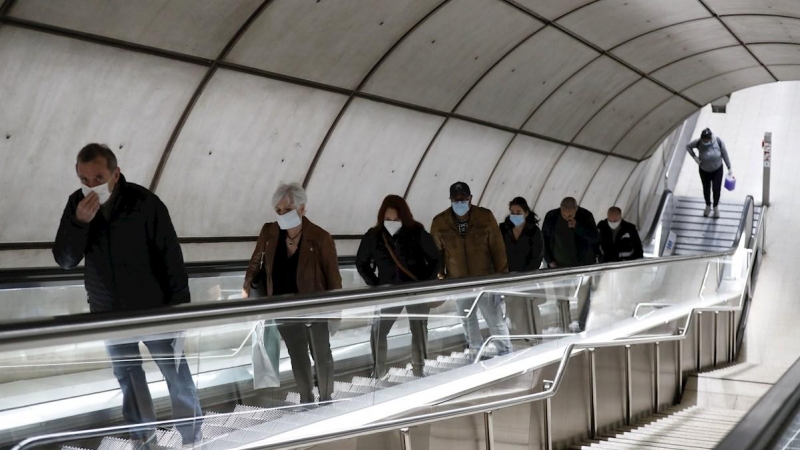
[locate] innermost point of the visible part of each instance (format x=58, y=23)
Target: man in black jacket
x=619, y=240
x=133, y=262
x=570, y=236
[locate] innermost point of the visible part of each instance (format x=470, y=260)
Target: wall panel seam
x=738, y=39
x=173, y=139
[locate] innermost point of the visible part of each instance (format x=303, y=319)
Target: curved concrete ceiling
x=212, y=103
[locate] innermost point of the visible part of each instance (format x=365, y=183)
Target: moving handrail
x=101, y=326
x=765, y=424
x=550, y=389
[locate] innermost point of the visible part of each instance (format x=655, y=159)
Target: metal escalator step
x=70, y=447
x=240, y=422
x=115, y=443
x=722, y=221
x=378, y=384
x=169, y=438
x=220, y=444
x=212, y=417
x=262, y=414
x=213, y=431
x=342, y=395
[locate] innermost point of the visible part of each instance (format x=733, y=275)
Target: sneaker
x=707, y=211
x=716, y=213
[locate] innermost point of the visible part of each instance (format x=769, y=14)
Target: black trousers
x=300, y=339
x=419, y=337
x=711, y=179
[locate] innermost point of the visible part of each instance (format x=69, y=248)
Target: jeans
x=419, y=338
x=493, y=314
x=299, y=339
x=711, y=179
x=137, y=404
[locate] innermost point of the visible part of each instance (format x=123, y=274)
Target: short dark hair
x=93, y=151
x=615, y=209
x=569, y=203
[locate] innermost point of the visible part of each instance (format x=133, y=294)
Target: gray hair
x=293, y=191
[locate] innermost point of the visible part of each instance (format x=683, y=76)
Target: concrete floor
x=772, y=342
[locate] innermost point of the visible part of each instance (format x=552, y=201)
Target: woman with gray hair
x=294, y=256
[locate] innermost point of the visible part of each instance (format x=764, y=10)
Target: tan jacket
x=479, y=253
x=317, y=265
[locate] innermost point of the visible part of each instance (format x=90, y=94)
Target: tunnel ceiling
x=211, y=103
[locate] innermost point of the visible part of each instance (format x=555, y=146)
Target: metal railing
x=551, y=387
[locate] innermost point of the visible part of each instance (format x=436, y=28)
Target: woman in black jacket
x=402, y=252
x=523, y=238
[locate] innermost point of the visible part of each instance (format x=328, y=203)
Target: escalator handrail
x=660, y=213
x=86, y=326
x=767, y=420
x=42, y=276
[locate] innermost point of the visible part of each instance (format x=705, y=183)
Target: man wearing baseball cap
x=471, y=245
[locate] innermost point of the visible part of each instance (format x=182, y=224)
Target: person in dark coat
x=133, y=261
x=570, y=236
x=402, y=252
x=619, y=240
x=523, y=238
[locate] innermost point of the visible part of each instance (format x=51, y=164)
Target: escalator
x=697, y=234
x=649, y=324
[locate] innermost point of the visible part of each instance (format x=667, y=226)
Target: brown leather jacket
x=317, y=265
x=480, y=252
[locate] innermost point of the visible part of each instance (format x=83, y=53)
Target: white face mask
x=289, y=220
x=103, y=193
x=614, y=225
x=392, y=226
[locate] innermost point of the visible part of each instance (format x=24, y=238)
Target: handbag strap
x=397, y=261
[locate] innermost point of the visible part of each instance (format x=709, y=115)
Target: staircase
x=693, y=427
x=712, y=404
x=250, y=423
x=697, y=234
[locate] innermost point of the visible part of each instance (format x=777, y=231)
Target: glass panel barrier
x=67, y=298
x=259, y=376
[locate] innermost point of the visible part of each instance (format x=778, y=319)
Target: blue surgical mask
x=461, y=208
x=517, y=219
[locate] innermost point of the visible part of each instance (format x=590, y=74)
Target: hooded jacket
x=317, y=264
x=480, y=252
x=413, y=247
x=712, y=155
x=133, y=259
x=524, y=254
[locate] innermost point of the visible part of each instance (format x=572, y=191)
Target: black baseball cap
x=459, y=187
x=706, y=134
